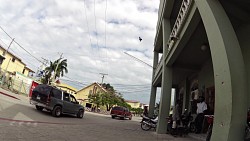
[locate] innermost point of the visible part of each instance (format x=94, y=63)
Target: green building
x=202, y=48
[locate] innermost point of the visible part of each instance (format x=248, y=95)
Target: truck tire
x=57, y=111
x=80, y=114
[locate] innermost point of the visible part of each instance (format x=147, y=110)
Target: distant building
x=133, y=103
x=82, y=94
x=69, y=89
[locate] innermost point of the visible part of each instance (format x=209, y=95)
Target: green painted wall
x=243, y=37
x=206, y=75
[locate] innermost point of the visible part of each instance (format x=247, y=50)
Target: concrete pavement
x=20, y=121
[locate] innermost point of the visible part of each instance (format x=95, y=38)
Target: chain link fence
x=16, y=83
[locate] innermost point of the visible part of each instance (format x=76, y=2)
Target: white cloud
x=47, y=27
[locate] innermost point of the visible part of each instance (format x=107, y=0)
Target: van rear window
x=43, y=89
x=56, y=93
x=117, y=108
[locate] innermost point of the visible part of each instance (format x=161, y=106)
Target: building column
x=166, y=84
x=229, y=73
x=153, y=88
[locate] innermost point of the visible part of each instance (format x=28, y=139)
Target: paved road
x=20, y=121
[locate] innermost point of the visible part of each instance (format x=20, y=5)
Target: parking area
x=21, y=121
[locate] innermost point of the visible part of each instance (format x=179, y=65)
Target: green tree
x=95, y=98
x=61, y=68
x=121, y=102
x=48, y=73
x=108, y=87
x=109, y=99
x=58, y=68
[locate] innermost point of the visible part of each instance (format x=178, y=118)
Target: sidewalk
x=19, y=98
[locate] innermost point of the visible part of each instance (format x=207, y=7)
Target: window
x=90, y=91
x=13, y=60
x=72, y=99
x=66, y=97
x=43, y=89
x=56, y=93
x=23, y=71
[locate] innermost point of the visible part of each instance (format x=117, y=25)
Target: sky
x=91, y=34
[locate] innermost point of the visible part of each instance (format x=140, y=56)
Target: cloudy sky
x=91, y=34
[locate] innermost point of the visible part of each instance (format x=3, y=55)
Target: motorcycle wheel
x=145, y=127
x=209, y=134
x=192, y=127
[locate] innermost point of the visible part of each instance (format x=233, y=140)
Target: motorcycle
x=210, y=119
x=148, y=123
x=183, y=128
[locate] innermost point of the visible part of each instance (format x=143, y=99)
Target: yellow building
x=133, y=104
x=12, y=63
x=82, y=95
x=69, y=89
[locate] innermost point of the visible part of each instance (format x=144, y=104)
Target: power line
x=106, y=21
x=20, y=45
x=17, y=54
x=95, y=27
x=138, y=59
x=87, y=22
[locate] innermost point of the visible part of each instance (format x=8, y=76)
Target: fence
x=14, y=84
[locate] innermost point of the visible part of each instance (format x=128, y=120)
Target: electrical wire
x=87, y=22
x=106, y=22
x=17, y=54
x=95, y=27
x=20, y=45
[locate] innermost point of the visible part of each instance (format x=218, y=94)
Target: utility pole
x=6, y=51
x=53, y=78
x=103, y=74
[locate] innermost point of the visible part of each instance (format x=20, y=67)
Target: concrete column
x=229, y=73
x=153, y=88
x=152, y=101
x=165, y=100
x=166, y=84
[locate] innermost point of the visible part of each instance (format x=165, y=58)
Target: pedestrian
x=201, y=108
x=176, y=114
x=145, y=112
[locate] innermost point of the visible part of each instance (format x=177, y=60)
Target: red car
x=121, y=112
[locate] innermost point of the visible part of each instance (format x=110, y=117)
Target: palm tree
x=61, y=68
x=58, y=68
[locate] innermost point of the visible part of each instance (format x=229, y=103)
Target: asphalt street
x=20, y=121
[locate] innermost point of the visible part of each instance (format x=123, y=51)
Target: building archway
x=229, y=73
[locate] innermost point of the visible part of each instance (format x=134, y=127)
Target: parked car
x=121, y=112
x=55, y=100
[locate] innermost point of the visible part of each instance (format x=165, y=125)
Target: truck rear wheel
x=80, y=114
x=57, y=111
